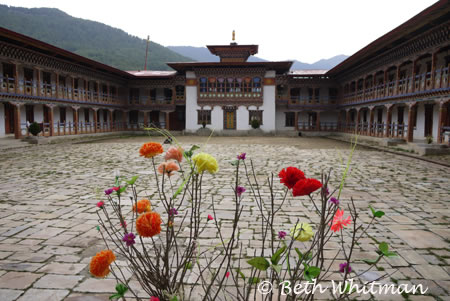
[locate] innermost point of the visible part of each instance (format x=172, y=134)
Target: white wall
x=242, y=118
x=39, y=113
x=56, y=115
x=2, y=119
x=269, y=107
x=191, y=105
x=420, y=122
x=216, y=118
x=280, y=121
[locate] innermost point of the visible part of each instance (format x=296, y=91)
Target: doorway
x=9, y=118
x=428, y=120
x=229, y=119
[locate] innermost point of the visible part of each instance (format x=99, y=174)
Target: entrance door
x=428, y=120
x=177, y=119
x=230, y=121
x=9, y=118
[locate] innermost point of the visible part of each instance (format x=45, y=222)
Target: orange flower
x=174, y=153
x=151, y=149
x=168, y=168
x=142, y=206
x=148, y=224
x=100, y=263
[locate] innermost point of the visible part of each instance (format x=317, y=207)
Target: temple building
x=397, y=86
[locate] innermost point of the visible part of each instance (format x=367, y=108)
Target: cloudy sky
x=306, y=30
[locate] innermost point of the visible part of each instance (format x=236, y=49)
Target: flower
x=142, y=206
x=344, y=266
x=302, y=232
x=109, y=191
x=148, y=224
x=116, y=188
x=100, y=204
x=174, y=153
x=151, y=149
x=99, y=266
x=129, y=239
x=124, y=224
x=240, y=190
x=290, y=175
x=305, y=187
x=282, y=234
x=210, y=218
x=338, y=221
x=334, y=201
x=168, y=168
x=241, y=156
x=227, y=274
x=173, y=211
x=154, y=298
x=205, y=161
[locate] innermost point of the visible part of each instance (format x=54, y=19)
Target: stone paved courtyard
x=48, y=221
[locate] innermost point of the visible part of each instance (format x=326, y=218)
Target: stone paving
x=48, y=221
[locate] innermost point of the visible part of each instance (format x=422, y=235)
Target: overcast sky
x=306, y=30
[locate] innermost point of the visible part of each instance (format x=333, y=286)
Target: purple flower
x=282, y=234
x=240, y=190
x=129, y=239
x=109, y=191
x=173, y=211
x=241, y=156
x=334, y=201
x=344, y=266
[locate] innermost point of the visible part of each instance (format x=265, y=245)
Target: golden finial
x=234, y=36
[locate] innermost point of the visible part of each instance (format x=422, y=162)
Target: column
x=413, y=88
x=95, y=119
x=16, y=80
x=364, y=87
x=167, y=120
x=442, y=114
x=296, y=121
x=411, y=112
x=433, y=70
x=358, y=120
x=73, y=87
x=397, y=78
x=389, y=119
x=75, y=118
x=111, y=115
x=17, y=126
x=317, y=120
x=371, y=125
x=50, y=120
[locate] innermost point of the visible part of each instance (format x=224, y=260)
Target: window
x=255, y=115
x=229, y=85
x=47, y=78
x=256, y=84
x=203, y=82
x=221, y=85
x=380, y=115
x=295, y=95
x=211, y=84
x=204, y=116
x=179, y=92
x=29, y=109
x=247, y=84
x=400, y=112
x=8, y=70
x=153, y=94
x=290, y=119
x=62, y=81
x=62, y=115
x=134, y=95
x=28, y=74
x=237, y=84
x=86, y=115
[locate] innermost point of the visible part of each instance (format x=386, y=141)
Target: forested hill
x=91, y=39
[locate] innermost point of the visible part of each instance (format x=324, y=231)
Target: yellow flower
x=302, y=232
x=205, y=161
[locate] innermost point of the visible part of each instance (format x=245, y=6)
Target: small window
x=221, y=85
x=203, y=83
x=204, y=116
x=256, y=84
x=290, y=119
x=179, y=91
x=28, y=74
x=255, y=115
x=212, y=84
x=8, y=70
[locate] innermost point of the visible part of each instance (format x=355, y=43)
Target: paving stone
x=434, y=272
x=96, y=286
x=9, y=295
x=421, y=239
x=18, y=280
x=57, y=281
x=41, y=294
x=62, y=268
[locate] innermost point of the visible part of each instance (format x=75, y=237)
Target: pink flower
x=227, y=274
x=339, y=222
x=154, y=298
x=344, y=266
x=116, y=188
x=100, y=204
x=109, y=191
x=174, y=153
x=241, y=156
x=240, y=190
x=168, y=167
x=282, y=234
x=210, y=218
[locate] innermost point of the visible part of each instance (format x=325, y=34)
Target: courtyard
x=48, y=215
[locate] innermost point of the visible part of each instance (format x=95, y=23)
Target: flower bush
x=165, y=243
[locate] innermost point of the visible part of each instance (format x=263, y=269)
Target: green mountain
x=97, y=41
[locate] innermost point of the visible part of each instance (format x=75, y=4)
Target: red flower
x=210, y=218
x=227, y=274
x=306, y=187
x=290, y=175
x=338, y=221
x=100, y=204
x=154, y=298
x=116, y=188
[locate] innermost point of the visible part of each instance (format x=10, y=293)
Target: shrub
x=34, y=129
x=255, y=123
x=429, y=139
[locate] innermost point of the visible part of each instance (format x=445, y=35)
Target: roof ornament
x=234, y=36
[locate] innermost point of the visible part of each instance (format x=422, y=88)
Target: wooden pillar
x=317, y=120
x=38, y=82
x=442, y=114
x=389, y=120
x=111, y=121
x=433, y=70
x=397, y=78
x=50, y=120
x=75, y=119
x=145, y=118
x=17, y=126
x=296, y=121
x=95, y=120
x=16, y=79
x=371, y=125
x=167, y=121
x=411, y=121
x=364, y=87
x=413, y=88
